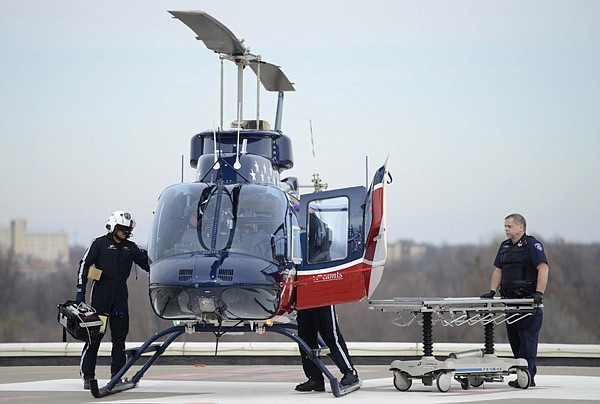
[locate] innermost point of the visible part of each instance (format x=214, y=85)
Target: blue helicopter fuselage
x=221, y=247
x=239, y=243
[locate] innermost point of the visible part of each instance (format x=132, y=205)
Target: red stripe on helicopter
x=335, y=286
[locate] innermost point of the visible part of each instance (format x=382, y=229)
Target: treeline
x=29, y=295
x=464, y=271
x=29, y=298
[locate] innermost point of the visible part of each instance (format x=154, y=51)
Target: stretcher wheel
x=523, y=378
x=401, y=380
x=464, y=383
x=475, y=381
x=443, y=381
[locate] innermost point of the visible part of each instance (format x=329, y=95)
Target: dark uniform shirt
x=109, y=295
x=112, y=258
x=518, y=262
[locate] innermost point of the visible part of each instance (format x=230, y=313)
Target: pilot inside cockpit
x=253, y=239
x=319, y=239
x=190, y=235
x=259, y=218
x=188, y=240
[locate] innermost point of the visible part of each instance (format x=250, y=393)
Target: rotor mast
x=218, y=38
x=241, y=62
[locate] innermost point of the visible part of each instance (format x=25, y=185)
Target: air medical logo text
x=332, y=276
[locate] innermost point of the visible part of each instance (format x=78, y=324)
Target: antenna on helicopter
x=317, y=183
x=312, y=140
x=218, y=38
x=316, y=180
x=216, y=164
x=237, y=164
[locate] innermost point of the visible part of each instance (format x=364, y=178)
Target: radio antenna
x=318, y=184
x=237, y=164
x=216, y=149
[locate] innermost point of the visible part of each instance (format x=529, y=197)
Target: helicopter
x=239, y=248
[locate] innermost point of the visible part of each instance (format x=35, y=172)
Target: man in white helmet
x=107, y=263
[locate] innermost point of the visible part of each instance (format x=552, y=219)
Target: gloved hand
x=80, y=297
x=538, y=297
x=488, y=295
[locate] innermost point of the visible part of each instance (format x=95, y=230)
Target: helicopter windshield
x=206, y=218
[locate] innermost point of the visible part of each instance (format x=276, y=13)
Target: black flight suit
x=109, y=295
x=322, y=321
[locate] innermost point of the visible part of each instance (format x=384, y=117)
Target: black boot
x=349, y=379
x=311, y=385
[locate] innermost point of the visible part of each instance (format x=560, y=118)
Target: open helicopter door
x=343, y=244
x=376, y=241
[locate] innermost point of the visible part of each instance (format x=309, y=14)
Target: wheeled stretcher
x=470, y=368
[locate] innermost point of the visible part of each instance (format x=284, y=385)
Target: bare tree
x=449, y=271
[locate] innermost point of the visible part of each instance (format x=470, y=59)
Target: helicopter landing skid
x=102, y=392
x=343, y=390
x=118, y=383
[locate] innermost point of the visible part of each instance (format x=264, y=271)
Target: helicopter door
x=376, y=241
x=332, y=247
x=337, y=265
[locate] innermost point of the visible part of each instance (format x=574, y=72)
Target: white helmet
x=119, y=218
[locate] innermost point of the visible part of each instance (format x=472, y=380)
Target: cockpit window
x=204, y=218
x=215, y=219
x=259, y=220
x=175, y=221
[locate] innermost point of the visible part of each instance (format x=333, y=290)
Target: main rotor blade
x=216, y=36
x=271, y=76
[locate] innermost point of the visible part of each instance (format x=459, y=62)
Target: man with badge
x=521, y=271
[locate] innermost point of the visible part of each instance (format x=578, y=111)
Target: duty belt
x=517, y=289
x=112, y=278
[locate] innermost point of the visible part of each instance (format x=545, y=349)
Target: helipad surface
x=275, y=384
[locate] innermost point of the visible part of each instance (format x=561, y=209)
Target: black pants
x=523, y=338
x=322, y=321
x=109, y=298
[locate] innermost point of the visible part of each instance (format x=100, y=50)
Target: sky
x=484, y=108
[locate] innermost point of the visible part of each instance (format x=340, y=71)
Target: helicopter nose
x=207, y=304
x=234, y=287
x=256, y=302
x=202, y=303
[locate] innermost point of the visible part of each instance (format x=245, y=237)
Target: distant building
x=50, y=247
x=405, y=249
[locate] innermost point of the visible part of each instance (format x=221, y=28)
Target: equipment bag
x=81, y=321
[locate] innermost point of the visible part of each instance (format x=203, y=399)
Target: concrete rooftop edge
x=370, y=349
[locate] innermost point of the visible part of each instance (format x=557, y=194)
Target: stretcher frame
x=470, y=368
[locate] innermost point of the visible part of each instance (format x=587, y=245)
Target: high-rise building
x=51, y=247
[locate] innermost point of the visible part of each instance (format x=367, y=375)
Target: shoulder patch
x=538, y=246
